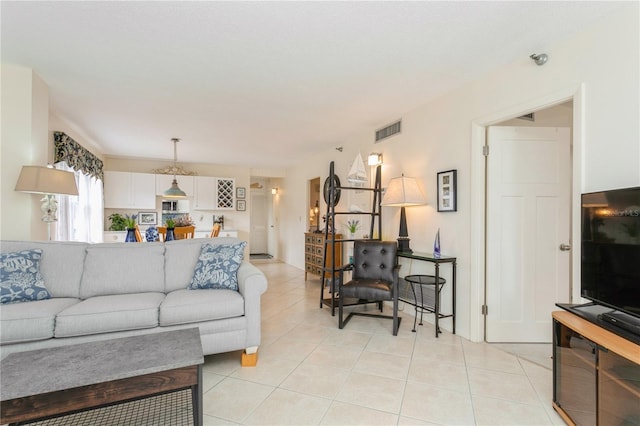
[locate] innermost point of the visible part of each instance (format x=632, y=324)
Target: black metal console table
x=426, y=279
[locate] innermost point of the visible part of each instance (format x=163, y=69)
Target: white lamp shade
x=403, y=191
x=45, y=180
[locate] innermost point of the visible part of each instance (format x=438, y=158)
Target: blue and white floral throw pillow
x=20, y=279
x=217, y=266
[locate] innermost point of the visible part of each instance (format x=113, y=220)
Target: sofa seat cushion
x=189, y=306
x=104, y=314
x=29, y=321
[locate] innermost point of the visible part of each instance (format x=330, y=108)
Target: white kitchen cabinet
x=125, y=190
x=213, y=193
x=114, y=236
x=204, y=194
x=223, y=233
x=163, y=182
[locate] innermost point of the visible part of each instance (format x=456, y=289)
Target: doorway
x=263, y=218
x=314, y=204
x=479, y=238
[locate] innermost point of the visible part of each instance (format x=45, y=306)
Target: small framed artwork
x=241, y=192
x=447, y=189
x=241, y=205
x=147, y=218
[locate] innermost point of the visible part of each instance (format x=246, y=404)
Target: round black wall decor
x=336, y=192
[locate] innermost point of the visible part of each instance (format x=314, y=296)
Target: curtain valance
x=76, y=156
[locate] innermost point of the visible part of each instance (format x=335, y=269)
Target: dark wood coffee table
x=52, y=382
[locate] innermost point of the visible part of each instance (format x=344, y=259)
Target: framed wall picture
x=241, y=192
x=147, y=218
x=447, y=191
x=241, y=205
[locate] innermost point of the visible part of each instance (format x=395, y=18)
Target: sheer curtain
x=81, y=218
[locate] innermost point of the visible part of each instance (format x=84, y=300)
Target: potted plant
x=171, y=224
x=130, y=224
x=353, y=226
x=130, y=221
x=117, y=222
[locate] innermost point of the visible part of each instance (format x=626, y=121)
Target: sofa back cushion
x=60, y=266
x=181, y=257
x=121, y=268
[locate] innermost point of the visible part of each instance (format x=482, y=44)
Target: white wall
x=25, y=99
x=438, y=137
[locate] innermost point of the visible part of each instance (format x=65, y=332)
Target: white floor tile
x=310, y=372
x=284, y=407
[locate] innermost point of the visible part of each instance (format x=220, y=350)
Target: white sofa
x=102, y=291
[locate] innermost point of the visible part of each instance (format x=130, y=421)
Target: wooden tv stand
x=596, y=373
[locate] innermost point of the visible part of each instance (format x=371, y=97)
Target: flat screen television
x=610, y=258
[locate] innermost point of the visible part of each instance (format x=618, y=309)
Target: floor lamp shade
x=47, y=181
x=402, y=192
x=44, y=180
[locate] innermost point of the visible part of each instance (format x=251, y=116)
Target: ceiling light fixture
x=539, y=58
x=174, y=191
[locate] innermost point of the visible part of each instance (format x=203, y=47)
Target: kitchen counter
x=119, y=236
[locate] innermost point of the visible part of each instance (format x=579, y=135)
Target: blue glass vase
x=170, y=235
x=131, y=235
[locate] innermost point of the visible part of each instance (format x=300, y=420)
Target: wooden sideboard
x=314, y=253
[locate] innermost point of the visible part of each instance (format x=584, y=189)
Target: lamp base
x=403, y=245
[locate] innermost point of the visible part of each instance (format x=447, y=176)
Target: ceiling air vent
x=388, y=131
x=529, y=117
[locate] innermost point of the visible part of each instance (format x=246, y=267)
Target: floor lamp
x=402, y=192
x=50, y=182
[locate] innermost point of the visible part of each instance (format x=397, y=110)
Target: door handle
x=565, y=247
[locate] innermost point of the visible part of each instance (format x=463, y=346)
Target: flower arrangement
x=130, y=221
x=170, y=223
x=353, y=226
x=184, y=221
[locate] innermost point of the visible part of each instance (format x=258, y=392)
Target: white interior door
x=258, y=236
x=528, y=219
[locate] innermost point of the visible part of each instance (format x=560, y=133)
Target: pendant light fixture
x=174, y=191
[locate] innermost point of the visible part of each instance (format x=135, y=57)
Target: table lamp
x=47, y=181
x=403, y=191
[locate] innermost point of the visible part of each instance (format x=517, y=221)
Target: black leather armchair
x=374, y=279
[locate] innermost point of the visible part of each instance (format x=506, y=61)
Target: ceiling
x=260, y=84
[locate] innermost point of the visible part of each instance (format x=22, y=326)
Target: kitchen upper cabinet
x=163, y=182
x=204, y=196
x=213, y=193
x=125, y=190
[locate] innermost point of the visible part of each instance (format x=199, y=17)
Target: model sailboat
x=358, y=174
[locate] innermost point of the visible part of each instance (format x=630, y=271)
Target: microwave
x=177, y=206
x=169, y=206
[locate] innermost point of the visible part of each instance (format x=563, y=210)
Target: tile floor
x=311, y=373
